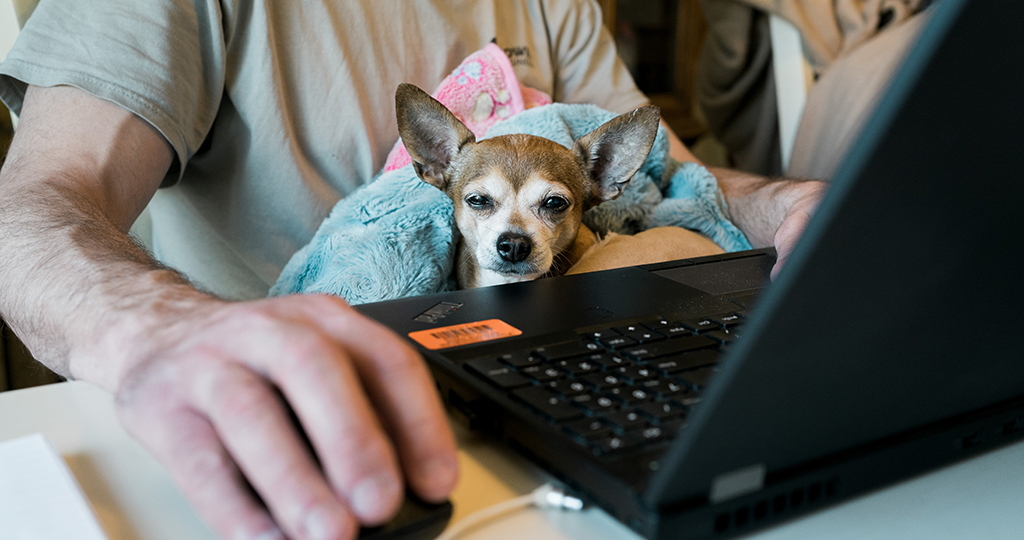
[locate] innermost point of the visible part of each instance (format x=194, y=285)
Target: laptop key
x=601, y=334
x=603, y=381
x=497, y=373
x=599, y=405
x=649, y=434
x=578, y=366
x=662, y=411
x=568, y=387
x=635, y=373
x=686, y=361
x=589, y=404
x=671, y=427
x=640, y=334
x=632, y=394
x=520, y=359
x=697, y=378
x=660, y=388
x=617, y=342
x=646, y=336
x=547, y=403
x=656, y=324
x=608, y=361
x=588, y=428
x=567, y=349
x=667, y=365
x=685, y=395
x=542, y=373
x=729, y=320
x=671, y=346
x=701, y=324
x=617, y=443
x=668, y=329
x=724, y=336
x=624, y=421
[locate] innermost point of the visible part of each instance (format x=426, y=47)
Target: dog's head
x=519, y=199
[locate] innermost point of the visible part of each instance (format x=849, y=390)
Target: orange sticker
x=464, y=334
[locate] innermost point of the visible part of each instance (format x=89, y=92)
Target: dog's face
x=519, y=199
x=518, y=202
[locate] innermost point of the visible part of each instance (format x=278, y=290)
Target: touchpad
x=724, y=277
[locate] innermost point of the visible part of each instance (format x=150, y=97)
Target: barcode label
x=464, y=334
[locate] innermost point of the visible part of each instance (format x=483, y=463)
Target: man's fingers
x=796, y=220
x=187, y=445
x=264, y=442
x=402, y=391
x=785, y=240
x=351, y=384
x=324, y=390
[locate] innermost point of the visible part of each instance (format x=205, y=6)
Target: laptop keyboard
x=621, y=388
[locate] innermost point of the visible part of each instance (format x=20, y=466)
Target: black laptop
x=693, y=399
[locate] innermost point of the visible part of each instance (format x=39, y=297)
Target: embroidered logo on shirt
x=519, y=56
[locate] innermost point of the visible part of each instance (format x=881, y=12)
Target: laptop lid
x=900, y=307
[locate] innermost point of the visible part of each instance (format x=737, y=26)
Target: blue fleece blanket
x=396, y=236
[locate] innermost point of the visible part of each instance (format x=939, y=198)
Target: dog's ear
x=614, y=152
x=432, y=135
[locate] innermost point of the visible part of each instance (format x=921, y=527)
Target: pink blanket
x=482, y=91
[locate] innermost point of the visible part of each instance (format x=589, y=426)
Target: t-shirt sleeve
x=163, y=60
x=588, y=68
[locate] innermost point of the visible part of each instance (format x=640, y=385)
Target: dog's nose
x=514, y=247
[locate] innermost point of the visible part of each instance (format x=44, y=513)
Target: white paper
x=39, y=498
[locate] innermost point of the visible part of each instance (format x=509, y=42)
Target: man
x=256, y=116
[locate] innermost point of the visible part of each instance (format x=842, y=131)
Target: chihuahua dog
x=519, y=199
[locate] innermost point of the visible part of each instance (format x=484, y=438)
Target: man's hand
x=213, y=399
x=217, y=391
x=770, y=211
x=797, y=215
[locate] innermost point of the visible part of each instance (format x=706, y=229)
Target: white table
x=134, y=499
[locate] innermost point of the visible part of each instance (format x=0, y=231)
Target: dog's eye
x=478, y=201
x=556, y=204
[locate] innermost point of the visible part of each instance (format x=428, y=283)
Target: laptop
x=695, y=399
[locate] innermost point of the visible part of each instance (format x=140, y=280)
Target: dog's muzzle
x=514, y=247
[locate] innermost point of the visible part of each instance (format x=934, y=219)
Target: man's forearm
x=72, y=285
x=212, y=388
x=759, y=205
x=71, y=280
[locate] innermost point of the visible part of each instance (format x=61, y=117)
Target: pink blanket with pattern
x=482, y=91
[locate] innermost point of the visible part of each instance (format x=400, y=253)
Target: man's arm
x=770, y=211
x=208, y=386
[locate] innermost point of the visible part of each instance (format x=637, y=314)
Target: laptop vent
x=782, y=502
x=1011, y=427
x=777, y=504
x=983, y=436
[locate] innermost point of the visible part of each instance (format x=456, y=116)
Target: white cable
x=546, y=496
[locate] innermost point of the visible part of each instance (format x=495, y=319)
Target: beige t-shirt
x=277, y=108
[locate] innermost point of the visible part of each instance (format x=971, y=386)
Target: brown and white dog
x=519, y=199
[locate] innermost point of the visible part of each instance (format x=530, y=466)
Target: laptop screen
x=896, y=309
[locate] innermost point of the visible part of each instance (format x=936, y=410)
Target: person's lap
x=655, y=245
